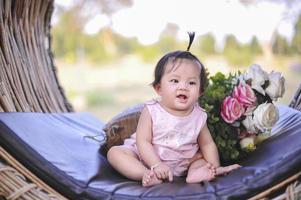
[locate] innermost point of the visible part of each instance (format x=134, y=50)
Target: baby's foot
x=227, y=169
x=149, y=178
x=204, y=173
x=197, y=156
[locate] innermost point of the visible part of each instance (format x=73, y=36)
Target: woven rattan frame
x=293, y=191
x=296, y=101
x=28, y=80
x=17, y=182
x=293, y=188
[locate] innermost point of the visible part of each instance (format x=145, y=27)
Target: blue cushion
x=53, y=147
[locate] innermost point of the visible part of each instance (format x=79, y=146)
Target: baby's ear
x=200, y=94
x=157, y=88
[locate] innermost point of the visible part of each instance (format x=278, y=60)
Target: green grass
x=99, y=97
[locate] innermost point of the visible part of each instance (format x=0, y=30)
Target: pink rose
x=244, y=95
x=231, y=109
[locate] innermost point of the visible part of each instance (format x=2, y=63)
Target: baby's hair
x=174, y=56
x=191, y=37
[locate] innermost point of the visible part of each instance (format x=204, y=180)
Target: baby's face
x=179, y=87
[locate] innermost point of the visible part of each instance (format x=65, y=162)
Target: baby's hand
x=227, y=169
x=163, y=171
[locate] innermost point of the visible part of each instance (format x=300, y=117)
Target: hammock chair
x=45, y=152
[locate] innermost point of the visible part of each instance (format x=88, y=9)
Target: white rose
x=265, y=116
x=248, y=143
x=249, y=124
x=275, y=88
x=257, y=77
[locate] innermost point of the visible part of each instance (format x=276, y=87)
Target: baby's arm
x=145, y=146
x=208, y=147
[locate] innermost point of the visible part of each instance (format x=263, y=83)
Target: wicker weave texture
x=17, y=182
x=15, y=186
x=122, y=126
x=296, y=101
x=28, y=81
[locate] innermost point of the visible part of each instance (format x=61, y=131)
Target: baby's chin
x=184, y=109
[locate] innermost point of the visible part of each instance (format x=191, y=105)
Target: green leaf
x=234, y=154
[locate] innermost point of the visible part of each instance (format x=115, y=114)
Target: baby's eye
x=174, y=81
x=192, y=82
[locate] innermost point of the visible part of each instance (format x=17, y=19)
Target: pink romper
x=174, y=138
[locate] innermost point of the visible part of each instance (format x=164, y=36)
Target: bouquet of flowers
x=241, y=110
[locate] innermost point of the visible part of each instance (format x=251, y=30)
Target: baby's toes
x=212, y=166
x=213, y=171
x=145, y=182
x=211, y=176
x=231, y=168
x=236, y=166
x=209, y=166
x=146, y=178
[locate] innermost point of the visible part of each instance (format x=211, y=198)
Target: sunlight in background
x=146, y=19
x=218, y=17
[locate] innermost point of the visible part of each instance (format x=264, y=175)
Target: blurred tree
x=231, y=42
x=89, y=9
x=170, y=30
x=107, y=7
x=167, y=40
x=68, y=35
x=166, y=44
x=125, y=45
x=94, y=49
x=280, y=45
x=236, y=53
x=207, y=44
x=296, y=41
x=255, y=46
x=291, y=12
x=97, y=51
x=148, y=53
x=71, y=43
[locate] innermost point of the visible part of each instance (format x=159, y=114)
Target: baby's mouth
x=182, y=97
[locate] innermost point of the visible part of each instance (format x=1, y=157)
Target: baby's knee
x=113, y=152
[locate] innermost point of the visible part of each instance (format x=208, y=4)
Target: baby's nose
x=183, y=86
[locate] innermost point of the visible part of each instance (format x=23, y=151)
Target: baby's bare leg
x=128, y=164
x=200, y=171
